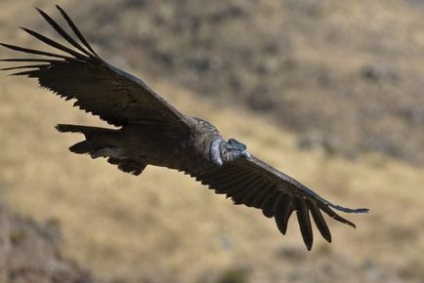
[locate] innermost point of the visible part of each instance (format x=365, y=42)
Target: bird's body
x=152, y=132
x=149, y=144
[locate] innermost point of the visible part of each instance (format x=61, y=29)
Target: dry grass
x=164, y=227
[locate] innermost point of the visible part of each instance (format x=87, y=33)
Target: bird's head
x=222, y=151
x=233, y=149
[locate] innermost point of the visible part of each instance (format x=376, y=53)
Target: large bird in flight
x=153, y=132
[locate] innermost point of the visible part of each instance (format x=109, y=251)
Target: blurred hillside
x=342, y=78
x=165, y=227
x=29, y=252
x=346, y=77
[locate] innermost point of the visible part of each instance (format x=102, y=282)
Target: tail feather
x=97, y=145
x=67, y=128
x=83, y=147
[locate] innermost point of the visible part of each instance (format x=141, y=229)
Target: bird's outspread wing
x=254, y=183
x=77, y=72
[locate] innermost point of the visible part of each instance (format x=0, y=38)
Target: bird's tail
x=98, y=143
x=102, y=142
x=86, y=130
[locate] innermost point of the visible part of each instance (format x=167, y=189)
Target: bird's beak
x=246, y=154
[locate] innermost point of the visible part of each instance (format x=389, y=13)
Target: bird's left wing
x=252, y=182
x=77, y=72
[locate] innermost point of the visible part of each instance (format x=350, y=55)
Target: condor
x=153, y=132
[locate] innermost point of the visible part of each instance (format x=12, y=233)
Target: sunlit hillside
x=164, y=227
x=322, y=69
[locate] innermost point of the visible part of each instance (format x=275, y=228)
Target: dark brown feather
x=282, y=211
x=116, y=96
x=304, y=220
x=275, y=193
x=268, y=189
x=319, y=221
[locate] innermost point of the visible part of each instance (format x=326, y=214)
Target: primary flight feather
x=153, y=132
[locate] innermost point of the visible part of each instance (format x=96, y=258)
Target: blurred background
x=330, y=92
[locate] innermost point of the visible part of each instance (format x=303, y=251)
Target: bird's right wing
x=254, y=183
x=77, y=72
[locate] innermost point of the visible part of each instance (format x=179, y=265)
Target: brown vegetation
x=164, y=227
x=29, y=252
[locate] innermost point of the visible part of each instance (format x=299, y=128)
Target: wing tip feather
x=350, y=210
